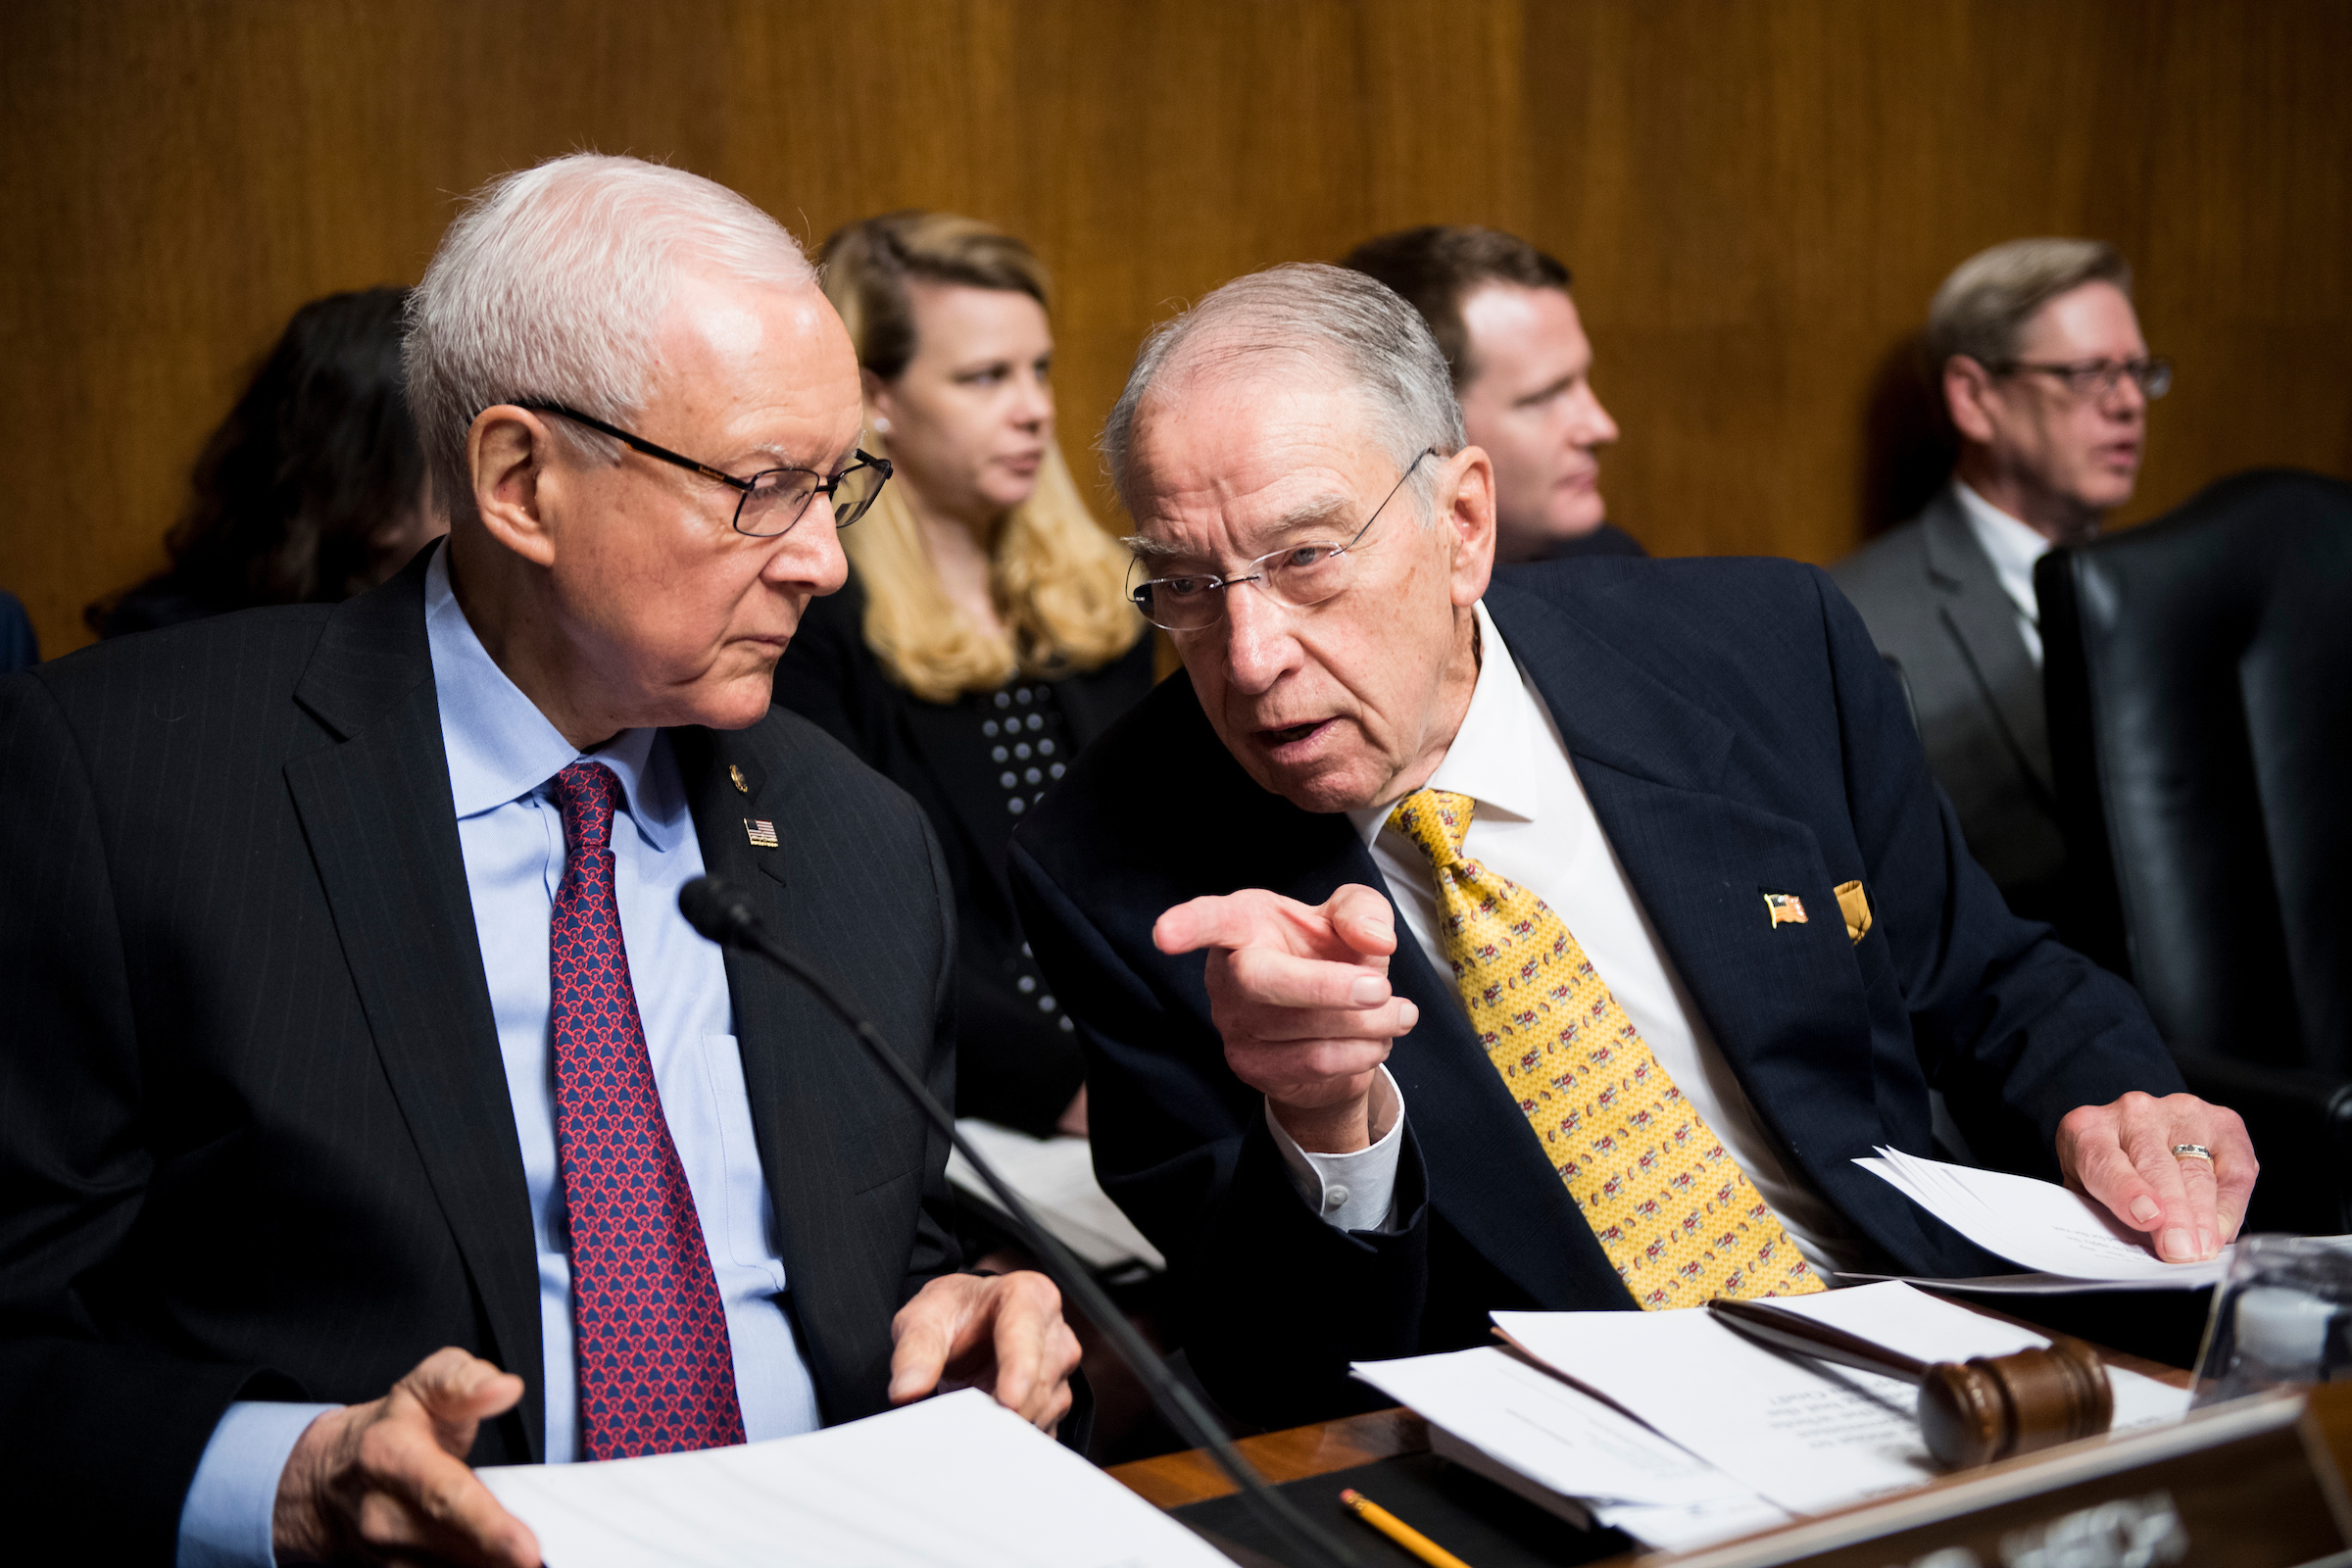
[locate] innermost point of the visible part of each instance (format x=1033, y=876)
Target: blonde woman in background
x=984, y=636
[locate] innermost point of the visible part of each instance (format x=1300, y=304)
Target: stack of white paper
x=1803, y=1435
x=1519, y=1425
x=1055, y=1178
x=955, y=1480
x=1682, y=1432
x=2073, y=1240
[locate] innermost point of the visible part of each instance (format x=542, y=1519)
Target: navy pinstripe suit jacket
x=255, y=1139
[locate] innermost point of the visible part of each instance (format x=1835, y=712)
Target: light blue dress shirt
x=502, y=758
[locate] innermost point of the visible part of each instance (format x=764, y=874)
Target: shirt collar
x=501, y=747
x=1492, y=758
x=2012, y=546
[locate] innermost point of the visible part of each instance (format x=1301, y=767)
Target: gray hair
x=1983, y=308
x=1328, y=320
x=552, y=286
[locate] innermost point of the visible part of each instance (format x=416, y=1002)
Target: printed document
x=957, y=1480
x=2038, y=1224
x=1530, y=1431
x=1804, y=1434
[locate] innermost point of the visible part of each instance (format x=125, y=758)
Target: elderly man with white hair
x=1559, y=938
x=371, y=1105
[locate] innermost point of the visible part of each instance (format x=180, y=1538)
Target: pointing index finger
x=1227, y=920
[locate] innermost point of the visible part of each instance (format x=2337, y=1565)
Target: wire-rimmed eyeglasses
x=2096, y=378
x=1298, y=575
x=772, y=501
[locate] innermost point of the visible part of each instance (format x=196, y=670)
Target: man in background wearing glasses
x=2046, y=379
x=1441, y=943
x=356, y=1042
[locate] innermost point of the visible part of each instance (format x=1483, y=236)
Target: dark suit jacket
x=1737, y=734
x=1928, y=592
x=257, y=1139
x=1015, y=1064
x=1607, y=540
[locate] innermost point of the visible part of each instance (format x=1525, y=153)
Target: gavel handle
x=1784, y=1330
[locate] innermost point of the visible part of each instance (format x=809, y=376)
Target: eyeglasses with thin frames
x=772, y=501
x=1298, y=575
x=2097, y=379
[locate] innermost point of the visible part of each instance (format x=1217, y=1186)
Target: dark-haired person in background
x=984, y=636
x=18, y=646
x=311, y=490
x=1522, y=369
x=2042, y=367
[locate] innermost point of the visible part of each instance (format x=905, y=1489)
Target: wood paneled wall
x=1757, y=197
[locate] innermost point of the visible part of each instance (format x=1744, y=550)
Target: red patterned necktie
x=657, y=1371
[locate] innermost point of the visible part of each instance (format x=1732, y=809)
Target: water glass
x=2282, y=1318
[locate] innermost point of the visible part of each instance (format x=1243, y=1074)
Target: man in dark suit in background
x=2043, y=372
x=1522, y=369
x=1685, y=927
x=355, y=1041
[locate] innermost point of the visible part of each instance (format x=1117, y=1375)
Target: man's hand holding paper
x=2124, y=1154
x=388, y=1481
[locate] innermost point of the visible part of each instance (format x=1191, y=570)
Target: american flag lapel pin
x=763, y=835
x=1786, y=909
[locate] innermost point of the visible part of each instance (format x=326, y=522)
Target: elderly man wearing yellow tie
x=1445, y=943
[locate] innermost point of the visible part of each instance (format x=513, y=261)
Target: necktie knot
x=587, y=794
x=1437, y=821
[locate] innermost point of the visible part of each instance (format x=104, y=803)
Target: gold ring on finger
x=2192, y=1151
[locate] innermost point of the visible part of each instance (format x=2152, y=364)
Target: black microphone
x=725, y=916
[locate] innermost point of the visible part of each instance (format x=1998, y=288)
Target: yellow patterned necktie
x=1675, y=1213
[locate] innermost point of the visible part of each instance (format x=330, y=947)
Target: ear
x=508, y=454
x=879, y=403
x=1466, y=507
x=1967, y=396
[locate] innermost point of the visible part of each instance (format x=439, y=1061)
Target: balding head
x=1271, y=444
x=553, y=286
x=1309, y=325
x=644, y=583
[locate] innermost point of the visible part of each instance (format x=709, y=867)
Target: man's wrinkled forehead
x=1275, y=433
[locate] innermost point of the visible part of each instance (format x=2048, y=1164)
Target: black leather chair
x=2199, y=678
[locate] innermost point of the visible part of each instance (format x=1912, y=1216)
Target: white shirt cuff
x=228, y=1520
x=1352, y=1191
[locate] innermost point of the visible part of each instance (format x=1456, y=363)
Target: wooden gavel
x=1970, y=1413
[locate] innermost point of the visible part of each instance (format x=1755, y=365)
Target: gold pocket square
x=1854, y=905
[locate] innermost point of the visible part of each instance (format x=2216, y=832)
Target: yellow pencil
x=1397, y=1530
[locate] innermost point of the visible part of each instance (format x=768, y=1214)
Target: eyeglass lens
x=779, y=496
x=1299, y=575
x=2153, y=378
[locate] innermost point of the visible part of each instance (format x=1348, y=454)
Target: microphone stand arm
x=1183, y=1410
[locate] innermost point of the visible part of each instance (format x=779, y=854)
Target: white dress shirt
x=2014, y=547
x=1534, y=825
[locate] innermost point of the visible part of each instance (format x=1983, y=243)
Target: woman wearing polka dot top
x=984, y=636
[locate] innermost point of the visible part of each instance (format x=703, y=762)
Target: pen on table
x=1397, y=1530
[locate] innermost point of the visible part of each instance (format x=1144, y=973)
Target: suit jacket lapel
x=377, y=810
x=1982, y=620
x=1784, y=1004
x=814, y=1095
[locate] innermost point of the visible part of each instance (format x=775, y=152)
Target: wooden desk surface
x=1176, y=1479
